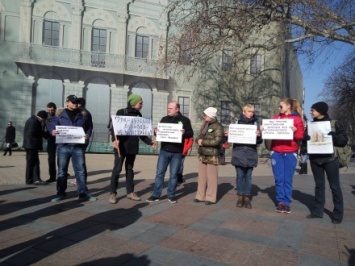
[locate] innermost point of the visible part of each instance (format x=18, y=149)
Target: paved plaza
x=35, y=231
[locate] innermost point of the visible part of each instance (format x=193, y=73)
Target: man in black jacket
x=9, y=138
x=32, y=142
x=51, y=145
x=125, y=150
x=170, y=154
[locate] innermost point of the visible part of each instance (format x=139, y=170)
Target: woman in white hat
x=209, y=140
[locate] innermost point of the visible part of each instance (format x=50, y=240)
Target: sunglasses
x=280, y=107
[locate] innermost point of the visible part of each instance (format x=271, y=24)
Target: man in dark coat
x=9, y=138
x=32, y=142
x=51, y=145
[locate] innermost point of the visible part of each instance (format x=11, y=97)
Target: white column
x=76, y=26
x=118, y=97
x=25, y=20
x=73, y=88
x=160, y=103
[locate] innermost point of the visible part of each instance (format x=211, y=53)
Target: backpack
x=343, y=153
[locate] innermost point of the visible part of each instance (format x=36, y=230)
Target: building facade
x=104, y=50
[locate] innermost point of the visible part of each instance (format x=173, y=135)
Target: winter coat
x=189, y=133
x=212, y=137
x=246, y=155
x=130, y=144
x=339, y=137
x=289, y=146
x=10, y=135
x=32, y=134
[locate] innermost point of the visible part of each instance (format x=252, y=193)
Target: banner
x=244, y=134
x=131, y=126
x=277, y=129
x=168, y=132
x=320, y=142
x=70, y=134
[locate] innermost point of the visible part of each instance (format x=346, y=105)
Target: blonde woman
x=209, y=140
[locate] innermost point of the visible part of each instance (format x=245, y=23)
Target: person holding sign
x=284, y=156
x=170, y=153
x=209, y=141
x=245, y=158
x=126, y=149
x=327, y=163
x=72, y=148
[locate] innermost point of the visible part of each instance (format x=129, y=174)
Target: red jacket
x=284, y=146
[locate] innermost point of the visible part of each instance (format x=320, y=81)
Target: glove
x=331, y=133
x=308, y=137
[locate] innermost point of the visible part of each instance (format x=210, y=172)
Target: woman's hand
x=199, y=142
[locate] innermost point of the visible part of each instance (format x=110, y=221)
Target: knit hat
x=211, y=112
x=133, y=99
x=42, y=114
x=320, y=107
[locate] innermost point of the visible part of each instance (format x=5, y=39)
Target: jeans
x=117, y=168
x=76, y=153
x=243, y=180
x=332, y=171
x=165, y=158
x=283, y=168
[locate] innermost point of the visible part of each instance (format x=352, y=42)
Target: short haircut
x=52, y=105
x=248, y=107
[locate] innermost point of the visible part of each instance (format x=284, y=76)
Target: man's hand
x=115, y=144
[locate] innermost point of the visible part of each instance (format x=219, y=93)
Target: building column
x=76, y=26
x=73, y=88
x=160, y=103
x=25, y=20
x=119, y=97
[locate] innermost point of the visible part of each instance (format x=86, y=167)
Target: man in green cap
x=125, y=149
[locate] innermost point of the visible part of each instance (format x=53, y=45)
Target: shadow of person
x=223, y=189
x=305, y=199
x=26, y=253
x=270, y=191
x=14, y=190
x=128, y=259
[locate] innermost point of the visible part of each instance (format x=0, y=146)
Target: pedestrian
x=170, y=154
x=85, y=112
x=126, y=149
x=51, y=145
x=284, y=157
x=71, y=116
x=327, y=164
x=209, y=142
x=245, y=158
x=32, y=143
x=10, y=137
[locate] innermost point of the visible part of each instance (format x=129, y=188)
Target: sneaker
x=87, y=197
x=152, y=199
x=280, y=208
x=112, y=199
x=58, y=198
x=287, y=209
x=133, y=196
x=172, y=200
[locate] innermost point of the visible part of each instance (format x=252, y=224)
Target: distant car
x=353, y=149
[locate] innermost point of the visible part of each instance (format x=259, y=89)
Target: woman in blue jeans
x=284, y=157
x=245, y=158
x=328, y=164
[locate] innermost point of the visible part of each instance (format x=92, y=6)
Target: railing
x=40, y=54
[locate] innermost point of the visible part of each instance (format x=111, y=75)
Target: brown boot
x=247, y=202
x=240, y=201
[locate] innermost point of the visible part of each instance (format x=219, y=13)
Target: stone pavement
x=35, y=231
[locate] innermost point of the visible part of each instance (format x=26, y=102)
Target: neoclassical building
x=102, y=51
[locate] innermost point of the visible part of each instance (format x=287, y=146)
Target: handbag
x=14, y=145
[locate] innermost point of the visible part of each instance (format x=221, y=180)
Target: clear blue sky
x=315, y=75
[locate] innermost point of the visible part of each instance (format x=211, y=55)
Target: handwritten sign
x=70, y=134
x=320, y=142
x=169, y=132
x=239, y=133
x=278, y=129
x=131, y=126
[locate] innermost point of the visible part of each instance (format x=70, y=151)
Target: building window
x=227, y=60
x=255, y=64
x=50, y=33
x=142, y=46
x=184, y=103
x=98, y=47
x=226, y=112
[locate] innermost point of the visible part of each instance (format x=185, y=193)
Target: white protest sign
x=239, y=133
x=277, y=129
x=70, y=134
x=131, y=126
x=320, y=142
x=168, y=132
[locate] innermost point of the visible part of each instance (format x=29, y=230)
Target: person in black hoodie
x=10, y=136
x=245, y=158
x=126, y=149
x=170, y=154
x=328, y=164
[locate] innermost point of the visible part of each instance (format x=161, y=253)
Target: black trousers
x=32, y=166
x=8, y=148
x=52, y=167
x=331, y=169
x=128, y=159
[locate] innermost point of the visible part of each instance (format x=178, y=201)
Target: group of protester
x=211, y=135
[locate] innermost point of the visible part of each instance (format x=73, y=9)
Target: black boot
x=303, y=170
